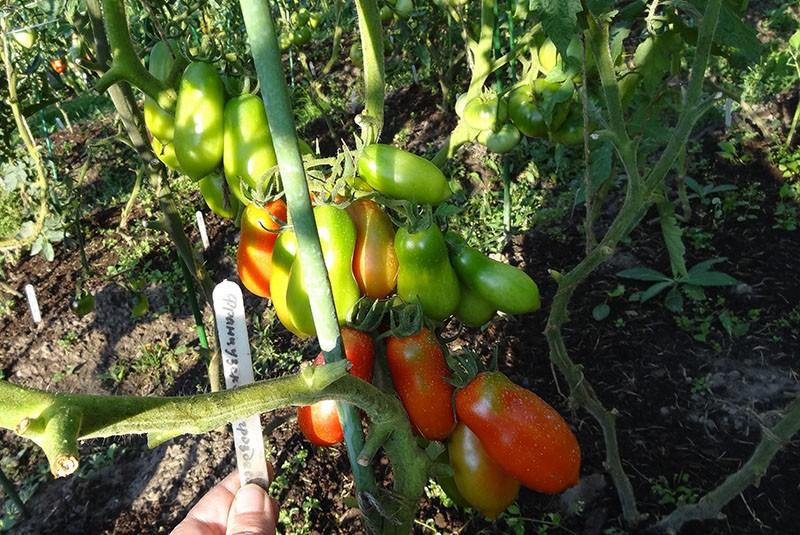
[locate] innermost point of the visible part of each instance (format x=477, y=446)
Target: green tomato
x=284, y=41
x=301, y=36
x=505, y=287
x=548, y=56
x=218, y=196
x=571, y=131
x=402, y=175
x=248, y=152
x=473, y=310
x=486, y=112
x=301, y=17
x=425, y=275
x=284, y=258
x=504, y=140
x=387, y=14
x=82, y=304
x=26, y=38
x=461, y=103
x=526, y=113
x=337, y=238
x=315, y=20
x=356, y=56
x=198, y=120
x=166, y=153
x=138, y=304
x=160, y=122
x=403, y=8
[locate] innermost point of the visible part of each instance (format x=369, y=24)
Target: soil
x=689, y=408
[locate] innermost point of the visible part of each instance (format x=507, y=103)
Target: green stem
x=8, y=486
x=30, y=146
x=266, y=55
x=709, y=506
x=371, y=30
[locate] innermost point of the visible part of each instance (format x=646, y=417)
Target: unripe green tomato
x=284, y=41
x=26, y=38
x=461, y=102
x=486, y=112
x=548, y=56
x=82, y=305
x=198, y=120
x=387, y=14
x=301, y=36
x=301, y=17
x=219, y=199
x=315, y=20
x=166, y=153
x=501, y=141
x=356, y=56
x=160, y=122
x=403, y=8
x=138, y=304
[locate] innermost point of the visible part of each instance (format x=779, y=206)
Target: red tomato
x=375, y=261
x=419, y=374
x=524, y=435
x=258, y=235
x=480, y=480
x=59, y=65
x=320, y=422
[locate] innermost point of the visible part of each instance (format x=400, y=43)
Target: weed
x=675, y=492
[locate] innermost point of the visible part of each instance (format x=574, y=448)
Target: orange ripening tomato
x=59, y=65
x=320, y=422
x=259, y=231
x=375, y=261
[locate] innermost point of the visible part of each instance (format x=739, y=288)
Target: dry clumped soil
x=689, y=412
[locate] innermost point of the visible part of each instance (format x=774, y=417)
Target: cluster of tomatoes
x=301, y=30
x=497, y=433
x=544, y=106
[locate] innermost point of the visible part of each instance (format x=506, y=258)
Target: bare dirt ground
x=690, y=411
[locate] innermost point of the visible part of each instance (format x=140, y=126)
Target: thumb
x=253, y=512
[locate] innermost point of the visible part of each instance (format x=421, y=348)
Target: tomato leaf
x=643, y=274
x=601, y=311
x=559, y=20
x=672, y=238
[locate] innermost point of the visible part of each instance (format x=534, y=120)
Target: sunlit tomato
x=420, y=376
x=59, y=65
x=320, y=422
x=524, y=435
x=375, y=260
x=258, y=235
x=480, y=480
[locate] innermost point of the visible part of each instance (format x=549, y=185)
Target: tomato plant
x=82, y=304
x=524, y=435
x=159, y=122
x=59, y=65
x=320, y=422
x=218, y=197
x=420, y=377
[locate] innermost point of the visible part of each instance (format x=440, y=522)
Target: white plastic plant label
x=237, y=367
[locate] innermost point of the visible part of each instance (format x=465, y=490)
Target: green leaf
x=794, y=40
x=654, y=290
x=601, y=311
x=711, y=278
x=559, y=20
x=704, y=266
x=727, y=323
x=695, y=293
x=643, y=274
x=674, y=300
x=672, y=238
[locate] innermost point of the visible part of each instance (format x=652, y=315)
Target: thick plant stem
x=637, y=200
x=709, y=506
x=371, y=31
x=266, y=54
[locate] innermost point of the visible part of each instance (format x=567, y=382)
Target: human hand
x=230, y=509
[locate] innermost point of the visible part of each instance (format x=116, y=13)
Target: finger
x=253, y=512
x=209, y=516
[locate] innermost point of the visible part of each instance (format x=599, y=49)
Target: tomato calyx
x=466, y=366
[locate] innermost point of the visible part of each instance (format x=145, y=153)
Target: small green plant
x=674, y=492
x=786, y=214
x=601, y=311
x=58, y=377
x=69, y=339
x=692, y=285
x=294, y=518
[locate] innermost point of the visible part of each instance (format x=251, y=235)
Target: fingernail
x=251, y=499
